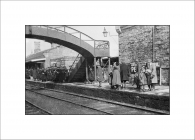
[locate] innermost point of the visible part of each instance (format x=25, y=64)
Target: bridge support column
x=95, y=68
x=87, y=79
x=109, y=65
x=100, y=61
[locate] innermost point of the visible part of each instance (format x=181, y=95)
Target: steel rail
x=111, y=102
x=70, y=102
x=39, y=107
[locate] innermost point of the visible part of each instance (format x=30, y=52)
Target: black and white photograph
x=97, y=69
x=71, y=70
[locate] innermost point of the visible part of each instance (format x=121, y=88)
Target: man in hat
x=124, y=72
x=152, y=67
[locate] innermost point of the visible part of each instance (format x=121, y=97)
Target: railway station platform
x=159, y=90
x=158, y=99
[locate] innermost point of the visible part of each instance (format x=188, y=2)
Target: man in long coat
x=61, y=75
x=116, y=79
x=38, y=74
x=31, y=72
x=124, y=71
x=153, y=74
x=110, y=76
x=34, y=74
x=57, y=72
x=99, y=74
x=91, y=76
x=43, y=75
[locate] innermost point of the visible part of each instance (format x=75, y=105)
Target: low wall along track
x=59, y=102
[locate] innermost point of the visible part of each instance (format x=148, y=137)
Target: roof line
x=41, y=52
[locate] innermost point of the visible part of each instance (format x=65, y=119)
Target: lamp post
x=105, y=32
x=105, y=35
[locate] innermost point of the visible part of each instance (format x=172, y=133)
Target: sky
x=93, y=31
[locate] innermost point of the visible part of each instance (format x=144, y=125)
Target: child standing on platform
x=136, y=80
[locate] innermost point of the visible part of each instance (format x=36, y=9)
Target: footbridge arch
x=59, y=35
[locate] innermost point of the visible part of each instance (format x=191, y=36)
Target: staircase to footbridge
x=88, y=48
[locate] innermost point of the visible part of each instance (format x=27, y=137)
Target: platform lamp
x=105, y=35
x=105, y=32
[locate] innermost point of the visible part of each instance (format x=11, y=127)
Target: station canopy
x=37, y=57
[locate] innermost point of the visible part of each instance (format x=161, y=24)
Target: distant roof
x=38, y=55
x=126, y=26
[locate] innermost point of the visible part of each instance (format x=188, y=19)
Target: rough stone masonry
x=145, y=43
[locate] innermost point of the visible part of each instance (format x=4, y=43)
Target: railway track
x=88, y=105
x=31, y=109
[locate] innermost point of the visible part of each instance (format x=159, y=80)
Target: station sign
x=133, y=68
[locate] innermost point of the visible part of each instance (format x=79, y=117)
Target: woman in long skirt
x=142, y=79
x=100, y=77
x=148, y=76
x=153, y=74
x=116, y=80
x=91, y=75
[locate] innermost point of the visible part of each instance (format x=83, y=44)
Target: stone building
x=60, y=56
x=146, y=43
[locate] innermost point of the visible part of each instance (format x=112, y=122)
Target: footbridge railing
x=101, y=47
x=75, y=62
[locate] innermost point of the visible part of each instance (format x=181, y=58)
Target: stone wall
x=162, y=45
x=165, y=76
x=136, y=43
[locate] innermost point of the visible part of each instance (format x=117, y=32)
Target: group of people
x=48, y=74
x=120, y=73
x=147, y=76
x=117, y=77
x=114, y=76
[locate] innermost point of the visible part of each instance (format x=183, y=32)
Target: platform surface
x=159, y=90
